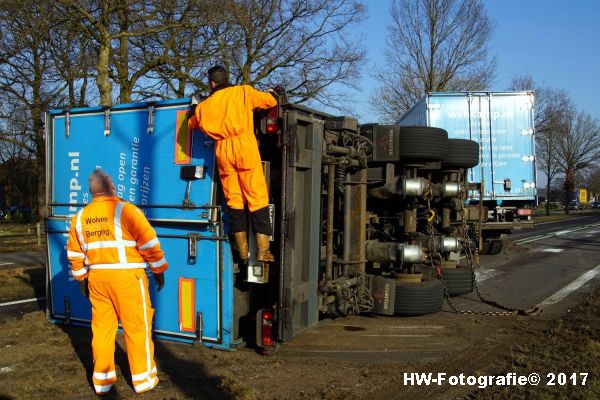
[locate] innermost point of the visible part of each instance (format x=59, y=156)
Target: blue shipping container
x=143, y=147
x=503, y=125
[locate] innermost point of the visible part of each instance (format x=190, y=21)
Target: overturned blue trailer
x=169, y=171
x=144, y=147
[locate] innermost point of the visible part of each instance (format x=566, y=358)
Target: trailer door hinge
x=107, y=122
x=192, y=248
x=67, y=123
x=527, y=158
x=150, y=129
x=525, y=132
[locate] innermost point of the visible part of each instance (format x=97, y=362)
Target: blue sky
x=557, y=42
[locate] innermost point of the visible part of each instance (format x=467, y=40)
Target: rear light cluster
x=267, y=328
x=273, y=119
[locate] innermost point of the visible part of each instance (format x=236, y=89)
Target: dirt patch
x=40, y=360
x=569, y=346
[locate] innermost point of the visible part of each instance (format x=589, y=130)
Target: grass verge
x=22, y=283
x=570, y=345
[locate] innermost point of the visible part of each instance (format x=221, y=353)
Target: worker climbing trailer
x=365, y=218
x=148, y=150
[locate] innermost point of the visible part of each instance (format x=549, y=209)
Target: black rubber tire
x=461, y=153
x=496, y=247
x=458, y=280
x=422, y=144
x=419, y=298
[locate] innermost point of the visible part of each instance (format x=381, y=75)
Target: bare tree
x=29, y=82
x=190, y=47
x=111, y=24
x=302, y=44
x=74, y=59
x=577, y=147
x=433, y=46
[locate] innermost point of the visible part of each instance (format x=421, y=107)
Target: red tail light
x=267, y=328
x=524, y=212
x=273, y=119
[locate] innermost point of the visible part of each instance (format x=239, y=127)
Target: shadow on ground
x=180, y=377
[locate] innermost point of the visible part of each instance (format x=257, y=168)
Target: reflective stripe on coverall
x=110, y=243
x=227, y=117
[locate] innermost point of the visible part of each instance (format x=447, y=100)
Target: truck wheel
x=422, y=144
x=496, y=247
x=458, y=280
x=461, y=153
x=419, y=298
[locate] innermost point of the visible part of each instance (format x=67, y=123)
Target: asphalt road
x=10, y=260
x=540, y=262
x=548, y=227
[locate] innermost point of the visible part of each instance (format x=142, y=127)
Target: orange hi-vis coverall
x=110, y=243
x=227, y=117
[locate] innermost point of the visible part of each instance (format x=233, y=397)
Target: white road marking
x=12, y=303
x=563, y=232
x=553, y=250
x=6, y=264
x=551, y=234
x=571, y=287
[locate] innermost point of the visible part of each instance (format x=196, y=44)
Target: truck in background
x=503, y=125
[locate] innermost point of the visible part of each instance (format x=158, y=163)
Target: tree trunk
x=125, y=85
x=39, y=200
x=102, y=79
x=569, y=187
x=548, y=189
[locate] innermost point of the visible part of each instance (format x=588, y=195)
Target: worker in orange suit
x=227, y=117
x=110, y=244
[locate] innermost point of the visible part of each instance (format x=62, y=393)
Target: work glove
x=193, y=105
x=160, y=281
x=273, y=93
x=83, y=286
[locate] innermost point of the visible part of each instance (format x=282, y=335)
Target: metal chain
x=472, y=259
x=471, y=265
